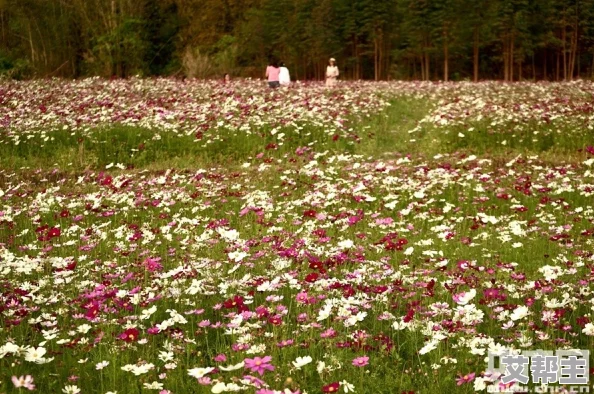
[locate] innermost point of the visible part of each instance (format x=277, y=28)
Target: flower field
x=194, y=237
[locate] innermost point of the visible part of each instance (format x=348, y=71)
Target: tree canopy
x=371, y=39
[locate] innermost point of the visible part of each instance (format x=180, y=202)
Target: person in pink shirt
x=272, y=74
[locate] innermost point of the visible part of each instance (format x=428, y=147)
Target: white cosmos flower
x=9, y=348
x=71, y=390
x=429, y=346
x=347, y=387
x=301, y=361
x=219, y=387
x=101, y=365
x=232, y=367
x=466, y=297
x=588, y=329
x=35, y=355
x=520, y=312
x=199, y=372
x=320, y=367
x=153, y=386
x=138, y=369
x=346, y=244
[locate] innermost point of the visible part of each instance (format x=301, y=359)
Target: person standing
x=331, y=72
x=272, y=74
x=284, y=77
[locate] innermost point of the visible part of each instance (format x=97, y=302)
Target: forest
x=444, y=40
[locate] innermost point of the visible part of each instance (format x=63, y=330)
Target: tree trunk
x=33, y=55
x=422, y=67
x=475, y=56
x=573, y=52
x=446, y=72
x=563, y=38
x=511, y=58
x=427, y=68
x=375, y=59
x=381, y=58
x=427, y=60
x=545, y=72
x=558, y=66
x=2, y=23
x=505, y=48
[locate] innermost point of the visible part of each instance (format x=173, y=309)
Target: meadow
x=168, y=236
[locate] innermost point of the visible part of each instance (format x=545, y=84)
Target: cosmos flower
x=302, y=361
x=200, y=372
x=361, y=361
x=23, y=381
x=259, y=365
x=462, y=379
x=331, y=388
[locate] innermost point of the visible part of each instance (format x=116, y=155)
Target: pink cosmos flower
x=361, y=361
x=329, y=333
x=259, y=365
x=284, y=343
x=254, y=380
x=23, y=381
x=220, y=358
x=465, y=379
x=302, y=297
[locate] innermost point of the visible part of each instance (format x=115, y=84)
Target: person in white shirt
x=331, y=72
x=284, y=78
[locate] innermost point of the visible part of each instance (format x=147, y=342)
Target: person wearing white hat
x=331, y=72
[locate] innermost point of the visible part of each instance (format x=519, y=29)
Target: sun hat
x=332, y=59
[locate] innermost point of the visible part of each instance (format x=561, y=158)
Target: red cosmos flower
x=92, y=312
x=235, y=302
x=310, y=213
x=312, y=277
x=409, y=315
x=276, y=320
x=331, y=388
x=54, y=232
x=130, y=335
x=582, y=321
x=106, y=181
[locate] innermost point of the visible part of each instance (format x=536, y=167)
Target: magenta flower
x=361, y=361
x=465, y=379
x=259, y=365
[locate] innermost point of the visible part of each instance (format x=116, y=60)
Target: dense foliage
x=379, y=39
